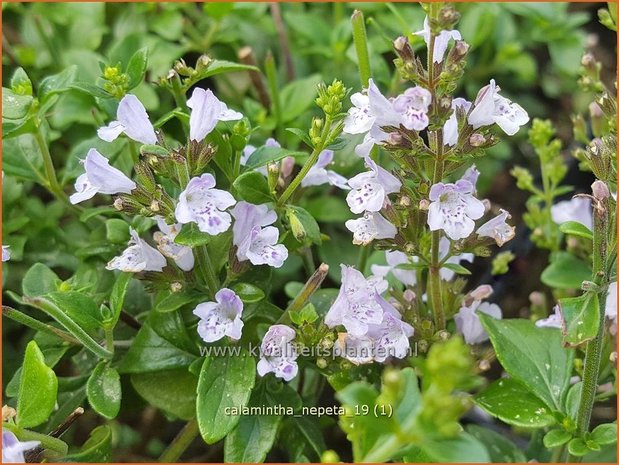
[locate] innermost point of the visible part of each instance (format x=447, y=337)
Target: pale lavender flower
x=6, y=253
x=441, y=41
x=454, y=208
x=13, y=449
x=206, y=111
x=610, y=311
x=468, y=322
x=358, y=304
x=181, y=254
x=413, y=106
x=133, y=120
x=577, y=209
x=443, y=251
x=369, y=227
x=358, y=350
x=554, y=320
x=254, y=241
x=277, y=353
x=318, y=174
x=100, y=177
x=220, y=318
x=391, y=336
x=359, y=119
x=202, y=204
x=450, y=128
x=139, y=256
x=498, y=229
x=491, y=108
x=370, y=189
x=394, y=259
x=471, y=175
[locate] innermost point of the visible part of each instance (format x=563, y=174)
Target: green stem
x=109, y=339
x=364, y=254
x=593, y=351
x=180, y=443
x=61, y=317
x=360, y=39
x=302, y=298
x=37, y=325
x=47, y=442
x=311, y=161
x=276, y=106
x=52, y=183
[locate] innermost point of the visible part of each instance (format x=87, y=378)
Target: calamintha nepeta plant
x=207, y=217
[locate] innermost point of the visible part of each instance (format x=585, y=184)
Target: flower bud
x=321, y=363
x=176, y=287
x=287, y=166
x=405, y=201
x=424, y=204
x=600, y=190
x=597, y=119
x=409, y=295
x=119, y=204
x=481, y=292
x=477, y=139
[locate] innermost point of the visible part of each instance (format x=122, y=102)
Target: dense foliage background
x=533, y=50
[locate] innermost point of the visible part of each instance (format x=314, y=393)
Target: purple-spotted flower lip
x=13, y=449
x=100, y=177
x=256, y=241
x=413, y=105
x=220, y=318
x=206, y=111
x=371, y=226
x=370, y=189
x=181, y=254
x=138, y=257
x=468, y=322
x=201, y=203
x=277, y=353
x=453, y=209
x=492, y=108
x=131, y=119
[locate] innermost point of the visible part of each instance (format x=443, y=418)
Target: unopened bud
x=321, y=363
x=600, y=190
x=8, y=413
x=424, y=204
x=537, y=299
x=119, y=204
x=154, y=206
x=287, y=166
x=487, y=205
x=461, y=48
x=405, y=201
x=477, y=139
x=394, y=138
x=443, y=335
x=409, y=295
x=176, y=287
x=588, y=60
x=481, y=292
x=445, y=103
x=484, y=365
x=203, y=62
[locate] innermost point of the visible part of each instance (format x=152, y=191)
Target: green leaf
x=174, y=301
x=136, y=68
x=225, y=382
x=456, y=268
x=117, y=296
x=303, y=225
x=254, y=435
x=574, y=228
x=14, y=106
x=20, y=82
x=79, y=307
x=605, y=434
x=581, y=316
x=103, y=390
x=577, y=447
x=534, y=356
x=500, y=449
x=97, y=449
x=90, y=89
x=191, y=236
x=38, y=388
x=57, y=83
x=556, y=437
x=265, y=155
x=216, y=67
x=151, y=352
x=253, y=188
x=39, y=280
x=248, y=293
x=298, y=96
x=301, y=134
x=22, y=158
x=117, y=231
x=566, y=272
x=464, y=448
x=512, y=403
x=173, y=391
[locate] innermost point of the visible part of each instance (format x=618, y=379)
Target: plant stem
x=270, y=71
x=593, y=351
x=283, y=40
x=364, y=254
x=37, y=325
x=180, y=443
x=311, y=286
x=360, y=39
x=52, y=183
